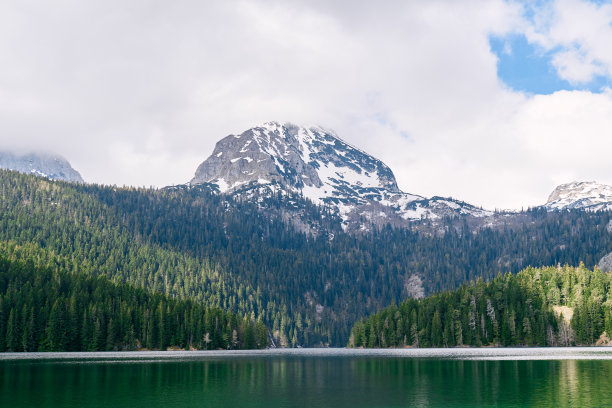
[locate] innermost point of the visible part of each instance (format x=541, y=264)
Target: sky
x=492, y=102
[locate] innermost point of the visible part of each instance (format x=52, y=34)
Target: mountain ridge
x=193, y=243
x=48, y=165
x=587, y=195
x=316, y=163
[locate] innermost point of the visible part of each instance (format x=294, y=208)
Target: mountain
x=46, y=165
x=588, y=195
x=315, y=163
x=226, y=253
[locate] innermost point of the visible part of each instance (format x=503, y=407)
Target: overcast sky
x=491, y=102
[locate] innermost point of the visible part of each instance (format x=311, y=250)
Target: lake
x=539, y=377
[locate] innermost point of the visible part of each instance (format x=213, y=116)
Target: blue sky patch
x=599, y=2
x=528, y=68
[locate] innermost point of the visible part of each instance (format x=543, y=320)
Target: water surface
x=310, y=378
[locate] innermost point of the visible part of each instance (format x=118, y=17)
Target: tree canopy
x=551, y=306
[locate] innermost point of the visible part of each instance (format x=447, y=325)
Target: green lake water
x=307, y=379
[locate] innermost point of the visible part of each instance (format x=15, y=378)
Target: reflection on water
x=569, y=381
x=300, y=381
x=577, y=384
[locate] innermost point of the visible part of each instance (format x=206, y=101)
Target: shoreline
x=464, y=353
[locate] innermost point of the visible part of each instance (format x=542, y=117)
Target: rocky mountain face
x=45, y=165
x=282, y=158
x=587, y=195
x=605, y=263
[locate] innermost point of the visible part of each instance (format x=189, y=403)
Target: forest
x=45, y=310
x=550, y=306
x=219, y=252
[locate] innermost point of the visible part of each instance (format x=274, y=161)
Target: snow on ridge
x=417, y=213
x=332, y=173
x=580, y=195
x=314, y=162
x=222, y=184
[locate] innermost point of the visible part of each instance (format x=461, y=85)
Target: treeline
x=561, y=306
x=189, y=243
x=44, y=310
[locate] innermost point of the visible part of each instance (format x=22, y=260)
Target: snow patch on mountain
x=588, y=195
x=44, y=165
x=317, y=164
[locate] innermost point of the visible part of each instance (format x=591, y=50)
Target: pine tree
x=2, y=326
x=11, y=332
x=56, y=338
x=436, y=330
x=27, y=338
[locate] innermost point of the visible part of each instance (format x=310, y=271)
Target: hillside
x=561, y=306
x=191, y=243
x=52, y=310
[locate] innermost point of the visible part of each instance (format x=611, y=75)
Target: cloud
x=138, y=93
x=579, y=33
x=576, y=67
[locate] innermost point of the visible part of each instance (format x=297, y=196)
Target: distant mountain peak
x=316, y=163
x=46, y=165
x=311, y=160
x=580, y=195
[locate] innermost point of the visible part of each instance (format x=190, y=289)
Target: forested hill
x=537, y=307
x=45, y=310
x=190, y=243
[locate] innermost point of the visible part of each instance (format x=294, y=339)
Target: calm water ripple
x=572, y=377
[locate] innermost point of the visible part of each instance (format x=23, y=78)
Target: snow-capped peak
x=580, y=195
x=316, y=163
x=310, y=160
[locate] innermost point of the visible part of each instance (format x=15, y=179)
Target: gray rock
x=413, y=286
x=294, y=157
x=45, y=165
x=605, y=264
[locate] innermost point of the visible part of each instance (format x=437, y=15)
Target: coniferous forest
x=190, y=244
x=45, y=310
x=552, y=306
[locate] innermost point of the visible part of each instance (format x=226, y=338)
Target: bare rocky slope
x=314, y=163
x=46, y=165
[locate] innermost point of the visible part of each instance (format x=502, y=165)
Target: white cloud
x=138, y=93
x=576, y=67
x=579, y=33
x=568, y=130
